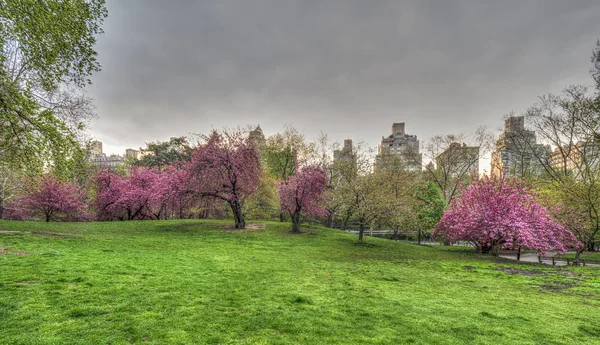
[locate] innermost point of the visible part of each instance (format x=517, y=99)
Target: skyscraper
x=96, y=147
x=345, y=153
x=517, y=151
x=257, y=137
x=459, y=160
x=402, y=145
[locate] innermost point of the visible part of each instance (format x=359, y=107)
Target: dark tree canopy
x=159, y=154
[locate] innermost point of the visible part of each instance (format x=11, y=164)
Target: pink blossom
x=49, y=198
x=146, y=193
x=503, y=213
x=226, y=167
x=301, y=195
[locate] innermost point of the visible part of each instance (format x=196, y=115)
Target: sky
x=346, y=68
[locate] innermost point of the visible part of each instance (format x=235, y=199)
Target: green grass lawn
x=191, y=282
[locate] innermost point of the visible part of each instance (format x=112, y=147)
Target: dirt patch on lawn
x=528, y=273
x=249, y=227
x=566, y=273
x=48, y=234
x=13, y=252
x=556, y=286
x=7, y=232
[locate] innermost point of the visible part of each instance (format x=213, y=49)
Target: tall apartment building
x=257, y=137
x=345, y=153
x=576, y=158
x=402, y=145
x=104, y=161
x=517, y=151
x=344, y=161
x=458, y=160
x=100, y=160
x=132, y=154
x=96, y=147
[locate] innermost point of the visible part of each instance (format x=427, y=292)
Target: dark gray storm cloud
x=347, y=68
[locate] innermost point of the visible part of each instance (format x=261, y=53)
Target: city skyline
x=232, y=66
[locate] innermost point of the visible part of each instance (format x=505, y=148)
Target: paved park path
x=533, y=257
x=525, y=257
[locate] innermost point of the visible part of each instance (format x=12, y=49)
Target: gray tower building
x=402, y=145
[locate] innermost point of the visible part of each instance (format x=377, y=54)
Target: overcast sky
x=347, y=68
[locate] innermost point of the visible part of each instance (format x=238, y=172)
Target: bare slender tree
x=595, y=71
x=8, y=185
x=452, y=159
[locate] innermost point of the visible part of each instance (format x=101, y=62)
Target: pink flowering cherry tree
x=179, y=199
x=108, y=186
x=51, y=199
x=497, y=213
x=145, y=193
x=302, y=195
x=226, y=167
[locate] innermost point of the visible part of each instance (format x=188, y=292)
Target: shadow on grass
x=366, y=245
x=189, y=228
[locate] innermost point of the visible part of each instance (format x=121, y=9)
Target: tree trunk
x=296, y=223
x=346, y=219
x=329, y=219
x=519, y=254
x=238, y=216
x=361, y=232
x=495, y=250
x=419, y=236
x=1, y=211
x=578, y=255
x=281, y=217
x=590, y=246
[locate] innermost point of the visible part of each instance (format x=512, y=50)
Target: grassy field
x=193, y=282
